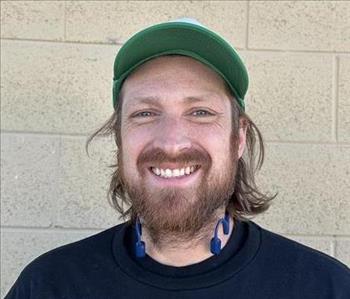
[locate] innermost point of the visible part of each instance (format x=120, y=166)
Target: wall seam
x=296, y=142
x=61, y=42
x=86, y=135
x=336, y=98
x=16, y=228
x=314, y=236
x=57, y=216
x=333, y=247
x=247, y=26
x=251, y=50
x=65, y=22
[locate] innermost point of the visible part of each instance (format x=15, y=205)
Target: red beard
x=180, y=212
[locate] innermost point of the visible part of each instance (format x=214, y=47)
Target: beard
x=181, y=213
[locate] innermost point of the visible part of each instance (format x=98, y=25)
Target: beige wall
x=56, y=71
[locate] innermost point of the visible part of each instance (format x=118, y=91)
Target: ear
x=242, y=135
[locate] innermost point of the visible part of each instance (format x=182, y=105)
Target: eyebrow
x=156, y=101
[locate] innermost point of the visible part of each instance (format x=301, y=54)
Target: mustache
x=191, y=156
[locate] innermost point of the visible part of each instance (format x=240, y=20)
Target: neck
x=179, y=253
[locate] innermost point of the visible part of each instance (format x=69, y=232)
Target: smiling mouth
x=174, y=173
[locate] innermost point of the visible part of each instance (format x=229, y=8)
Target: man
x=185, y=181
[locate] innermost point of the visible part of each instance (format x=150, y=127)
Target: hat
x=183, y=37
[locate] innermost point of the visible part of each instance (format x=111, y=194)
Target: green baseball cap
x=183, y=37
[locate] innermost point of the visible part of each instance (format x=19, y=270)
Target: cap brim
x=183, y=39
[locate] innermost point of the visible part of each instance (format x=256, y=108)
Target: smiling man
x=184, y=181
x=178, y=154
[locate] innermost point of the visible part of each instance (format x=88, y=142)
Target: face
x=178, y=153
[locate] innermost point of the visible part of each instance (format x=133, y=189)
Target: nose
x=172, y=137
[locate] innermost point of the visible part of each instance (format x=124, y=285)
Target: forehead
x=177, y=77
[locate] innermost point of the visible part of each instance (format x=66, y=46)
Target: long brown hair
x=246, y=201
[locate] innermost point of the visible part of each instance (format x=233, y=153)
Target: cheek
x=218, y=147
x=132, y=144
x=222, y=156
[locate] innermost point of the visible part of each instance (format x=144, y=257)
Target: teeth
x=168, y=173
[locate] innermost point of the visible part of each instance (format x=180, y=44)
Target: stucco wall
x=56, y=72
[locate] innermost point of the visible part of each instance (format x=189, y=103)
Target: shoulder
x=91, y=247
x=308, y=265
x=295, y=251
x=58, y=266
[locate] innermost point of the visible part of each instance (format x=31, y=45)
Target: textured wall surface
x=56, y=73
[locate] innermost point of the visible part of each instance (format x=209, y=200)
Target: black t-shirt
x=255, y=263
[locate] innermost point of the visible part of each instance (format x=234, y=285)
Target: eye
x=202, y=113
x=144, y=114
